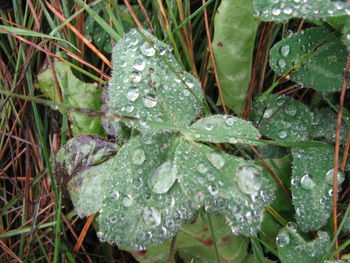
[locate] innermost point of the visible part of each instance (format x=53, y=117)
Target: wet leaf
x=280, y=10
x=143, y=86
x=224, y=128
x=292, y=248
x=282, y=118
x=72, y=89
x=233, y=45
x=134, y=213
x=321, y=54
x=312, y=186
x=225, y=184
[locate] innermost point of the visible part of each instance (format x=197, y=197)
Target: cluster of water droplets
x=273, y=10
x=149, y=84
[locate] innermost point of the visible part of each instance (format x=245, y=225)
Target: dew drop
x=135, y=77
x=129, y=108
x=208, y=126
x=138, y=156
x=268, y=113
x=151, y=216
x=288, y=10
x=216, y=160
x=285, y=50
x=291, y=110
x=283, y=239
x=147, y=50
x=186, y=93
x=307, y=183
x=229, y=121
x=276, y=11
x=149, y=101
x=139, y=64
x=282, y=63
x=330, y=174
x=132, y=94
x=202, y=168
x=249, y=179
x=282, y=134
x=162, y=178
x=122, y=63
x=232, y=140
x=213, y=190
x=127, y=200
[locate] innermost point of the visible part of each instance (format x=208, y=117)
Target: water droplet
x=132, y=94
x=134, y=42
x=137, y=182
x=249, y=179
x=232, y=140
x=138, y=156
x=330, y=174
x=216, y=160
x=307, y=183
x=113, y=219
x=129, y=108
x=283, y=238
x=199, y=197
x=135, y=77
x=229, y=121
x=149, y=101
x=268, y=113
x=276, y=11
x=284, y=50
x=162, y=178
x=291, y=110
x=122, y=63
x=186, y=93
x=281, y=63
x=151, y=216
x=139, y=64
x=202, y=168
x=288, y=10
x=147, y=50
x=213, y=190
x=208, y=126
x=282, y=134
x=127, y=200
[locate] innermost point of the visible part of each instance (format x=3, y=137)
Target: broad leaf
x=312, y=186
x=318, y=56
x=144, y=84
x=225, y=184
x=282, y=118
x=144, y=205
x=195, y=242
x=233, y=46
x=280, y=10
x=292, y=248
x=346, y=32
x=224, y=128
x=72, y=89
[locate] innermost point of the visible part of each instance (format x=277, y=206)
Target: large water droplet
x=202, y=168
x=135, y=77
x=276, y=11
x=282, y=134
x=288, y=10
x=249, y=179
x=138, y=156
x=162, y=178
x=208, y=126
x=132, y=94
x=330, y=174
x=139, y=64
x=283, y=239
x=281, y=63
x=127, y=200
x=147, y=50
x=149, y=101
x=291, y=110
x=216, y=160
x=285, y=50
x=151, y=216
x=307, y=183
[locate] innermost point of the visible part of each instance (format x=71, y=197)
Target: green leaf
x=72, y=89
x=282, y=118
x=280, y=10
x=225, y=184
x=144, y=206
x=292, y=248
x=319, y=58
x=324, y=126
x=144, y=84
x=346, y=32
x=195, y=242
x=224, y=128
x=233, y=46
x=312, y=186
x=78, y=168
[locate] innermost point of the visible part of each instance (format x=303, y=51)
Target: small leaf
x=292, y=248
x=133, y=213
x=312, y=186
x=72, y=89
x=280, y=10
x=225, y=184
x=224, y=128
x=282, y=118
x=143, y=86
x=318, y=55
x=233, y=46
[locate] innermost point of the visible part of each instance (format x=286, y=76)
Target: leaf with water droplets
x=282, y=118
x=233, y=46
x=292, y=248
x=316, y=58
x=143, y=86
x=312, y=186
x=72, y=89
x=144, y=205
x=78, y=168
x=280, y=10
x=224, y=128
x=225, y=184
